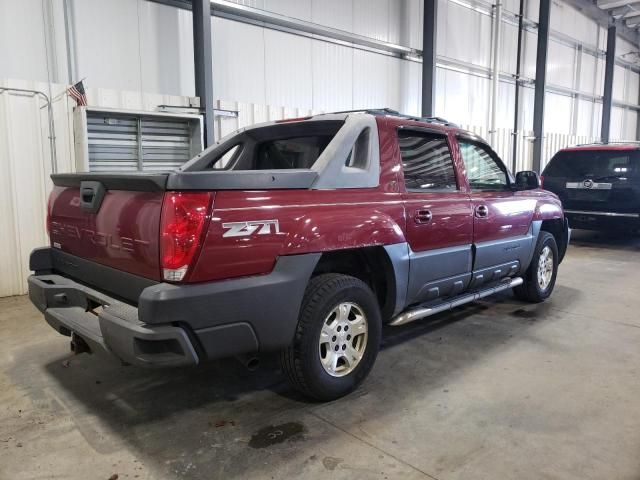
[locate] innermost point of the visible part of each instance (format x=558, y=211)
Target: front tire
x=540, y=277
x=337, y=337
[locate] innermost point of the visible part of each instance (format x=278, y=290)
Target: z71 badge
x=245, y=229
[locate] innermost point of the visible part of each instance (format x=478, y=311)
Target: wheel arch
x=378, y=266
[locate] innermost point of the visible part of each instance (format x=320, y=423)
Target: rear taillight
x=541, y=181
x=184, y=217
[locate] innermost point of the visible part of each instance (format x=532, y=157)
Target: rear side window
x=426, y=161
x=295, y=152
x=594, y=164
x=294, y=145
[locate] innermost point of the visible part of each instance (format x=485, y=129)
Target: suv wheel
x=540, y=277
x=337, y=338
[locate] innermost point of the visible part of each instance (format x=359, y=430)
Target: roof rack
x=616, y=142
x=395, y=113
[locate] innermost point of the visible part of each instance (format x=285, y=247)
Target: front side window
x=426, y=161
x=483, y=170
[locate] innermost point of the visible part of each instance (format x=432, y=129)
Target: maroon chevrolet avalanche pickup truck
x=302, y=237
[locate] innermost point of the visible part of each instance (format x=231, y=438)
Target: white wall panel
x=588, y=77
x=632, y=87
x=508, y=51
x=332, y=76
x=413, y=22
x=373, y=76
x=291, y=8
x=22, y=42
x=238, y=61
x=616, y=131
x=619, y=75
x=557, y=113
x=287, y=82
x=410, y=88
x=108, y=48
x=560, y=64
x=474, y=46
x=529, y=49
x=371, y=18
x=532, y=9
x=631, y=124
x=166, y=49
x=588, y=118
x=333, y=13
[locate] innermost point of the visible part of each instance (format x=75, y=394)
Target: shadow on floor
x=167, y=415
x=612, y=240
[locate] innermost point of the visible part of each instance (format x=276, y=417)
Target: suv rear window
x=594, y=164
x=294, y=145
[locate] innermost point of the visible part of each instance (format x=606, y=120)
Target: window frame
x=479, y=142
x=433, y=132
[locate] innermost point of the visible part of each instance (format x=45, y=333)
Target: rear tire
x=337, y=337
x=540, y=277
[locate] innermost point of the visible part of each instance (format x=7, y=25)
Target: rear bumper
x=174, y=325
x=108, y=325
x=599, y=220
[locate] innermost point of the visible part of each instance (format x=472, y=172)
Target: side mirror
x=527, y=180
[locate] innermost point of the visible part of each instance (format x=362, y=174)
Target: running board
x=421, y=312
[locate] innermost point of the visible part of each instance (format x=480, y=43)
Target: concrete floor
x=497, y=390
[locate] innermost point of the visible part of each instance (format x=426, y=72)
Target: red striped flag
x=77, y=93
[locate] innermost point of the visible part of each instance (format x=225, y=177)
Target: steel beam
x=541, y=82
x=429, y=34
x=610, y=61
x=517, y=100
x=203, y=63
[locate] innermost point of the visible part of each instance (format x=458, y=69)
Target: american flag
x=77, y=93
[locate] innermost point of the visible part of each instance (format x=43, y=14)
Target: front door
x=502, y=217
x=439, y=222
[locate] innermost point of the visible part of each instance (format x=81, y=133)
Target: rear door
x=501, y=216
x=439, y=221
x=596, y=180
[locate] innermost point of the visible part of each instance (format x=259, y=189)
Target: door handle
x=422, y=216
x=482, y=211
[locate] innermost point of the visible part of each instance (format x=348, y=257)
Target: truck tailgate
x=122, y=233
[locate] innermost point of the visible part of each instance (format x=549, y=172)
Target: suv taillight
x=541, y=181
x=184, y=217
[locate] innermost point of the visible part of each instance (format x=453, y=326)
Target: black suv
x=599, y=185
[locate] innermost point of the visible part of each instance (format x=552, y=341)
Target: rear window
x=594, y=164
x=295, y=145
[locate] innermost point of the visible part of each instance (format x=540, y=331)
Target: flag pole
x=66, y=90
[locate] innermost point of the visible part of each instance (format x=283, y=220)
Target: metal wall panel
x=287, y=82
x=619, y=82
x=108, y=47
x=333, y=13
x=557, y=113
x=332, y=76
x=238, y=61
x=166, y=49
x=22, y=41
x=561, y=63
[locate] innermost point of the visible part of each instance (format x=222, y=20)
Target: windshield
x=294, y=145
x=594, y=164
